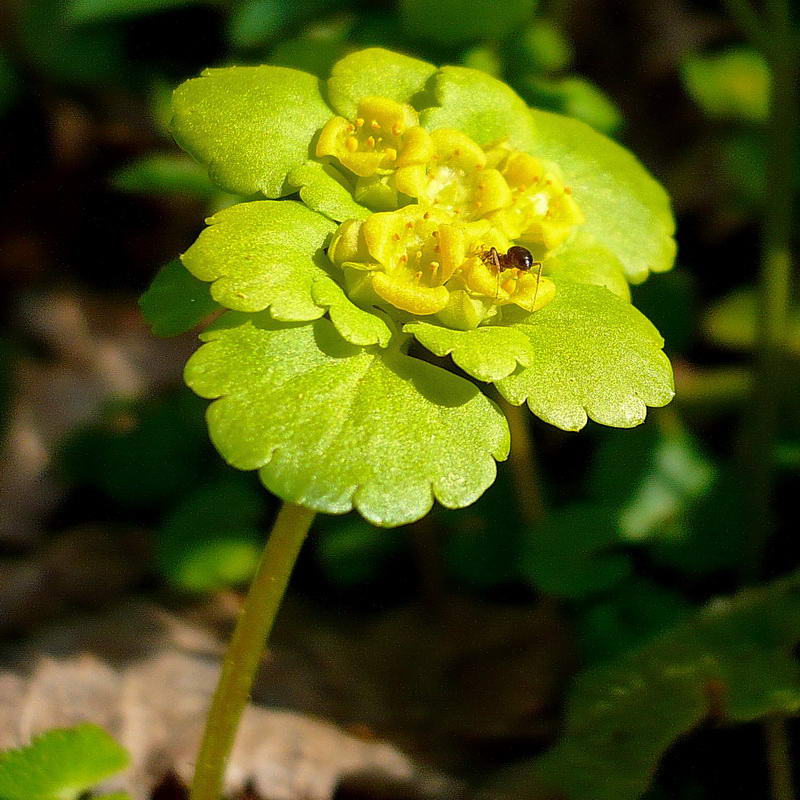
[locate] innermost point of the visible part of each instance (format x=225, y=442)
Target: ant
x=517, y=257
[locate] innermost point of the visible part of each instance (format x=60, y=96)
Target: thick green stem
x=524, y=470
x=246, y=647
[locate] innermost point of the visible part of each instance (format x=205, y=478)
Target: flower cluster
x=420, y=205
x=455, y=201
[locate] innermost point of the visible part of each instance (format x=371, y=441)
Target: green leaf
x=324, y=189
x=351, y=554
x=375, y=72
x=582, y=260
x=655, y=476
x=733, y=84
x=264, y=254
x=593, y=354
x=140, y=455
x=175, y=301
x=353, y=323
x=487, y=353
x=249, y=125
x=90, y=55
x=331, y=426
x=165, y=174
x=734, y=658
x=570, y=554
x=460, y=21
x=212, y=540
x=633, y=612
x=575, y=97
x=82, y=11
x=254, y=22
x=60, y=764
x=732, y=321
x=626, y=210
x=542, y=48
x=482, y=106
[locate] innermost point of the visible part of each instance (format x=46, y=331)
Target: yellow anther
x=409, y=225
x=426, y=215
x=396, y=237
x=351, y=128
x=418, y=255
x=351, y=144
x=418, y=275
x=435, y=265
x=371, y=142
x=359, y=122
x=397, y=128
x=375, y=125
x=567, y=190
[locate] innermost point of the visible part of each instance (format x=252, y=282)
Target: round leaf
x=264, y=254
x=249, y=125
x=375, y=72
x=594, y=355
x=488, y=353
x=331, y=426
x=322, y=188
x=582, y=260
x=481, y=106
x=627, y=211
x=458, y=21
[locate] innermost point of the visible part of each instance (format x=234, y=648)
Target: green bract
x=410, y=186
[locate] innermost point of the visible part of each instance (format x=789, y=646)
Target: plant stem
x=779, y=758
x=524, y=469
x=246, y=647
x=774, y=286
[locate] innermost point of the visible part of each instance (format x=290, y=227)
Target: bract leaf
x=264, y=254
x=593, y=354
x=626, y=209
x=583, y=260
x=481, y=106
x=331, y=426
x=250, y=125
x=176, y=301
x=322, y=188
x=60, y=764
x=734, y=658
x=355, y=324
x=375, y=72
x=487, y=353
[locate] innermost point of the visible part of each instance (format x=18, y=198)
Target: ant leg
x=538, y=279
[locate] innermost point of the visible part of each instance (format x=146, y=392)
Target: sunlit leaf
x=626, y=210
x=595, y=356
x=165, y=174
x=331, y=426
x=249, y=125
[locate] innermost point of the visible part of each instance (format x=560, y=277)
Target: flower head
x=434, y=206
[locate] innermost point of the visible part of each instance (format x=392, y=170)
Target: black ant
x=516, y=258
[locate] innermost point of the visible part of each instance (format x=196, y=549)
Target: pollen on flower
x=383, y=137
